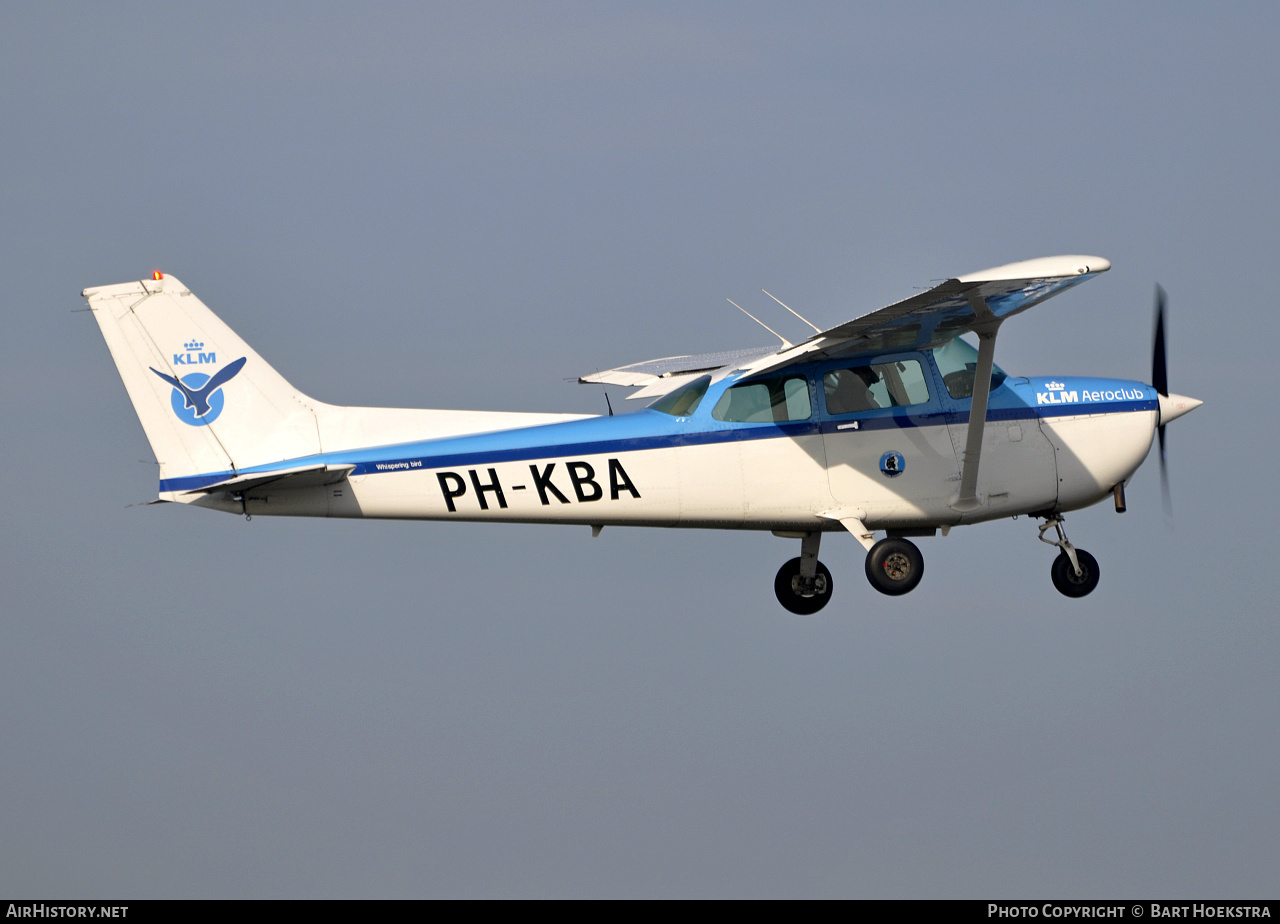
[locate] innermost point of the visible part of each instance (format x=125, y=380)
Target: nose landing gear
x=1075, y=572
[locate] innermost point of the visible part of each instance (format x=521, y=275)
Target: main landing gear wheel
x=894, y=566
x=1067, y=581
x=795, y=596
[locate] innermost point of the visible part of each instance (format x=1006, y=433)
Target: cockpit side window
x=684, y=400
x=958, y=364
x=775, y=400
x=898, y=383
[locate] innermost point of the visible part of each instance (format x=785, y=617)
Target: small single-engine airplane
x=888, y=423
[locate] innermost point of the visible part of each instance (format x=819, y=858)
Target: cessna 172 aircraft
x=889, y=423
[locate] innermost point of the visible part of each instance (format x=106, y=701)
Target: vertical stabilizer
x=207, y=401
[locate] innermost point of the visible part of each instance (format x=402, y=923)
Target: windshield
x=684, y=400
x=958, y=363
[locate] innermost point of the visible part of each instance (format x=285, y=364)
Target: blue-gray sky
x=461, y=206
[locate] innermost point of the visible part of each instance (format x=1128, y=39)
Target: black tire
x=894, y=566
x=1070, y=584
x=785, y=587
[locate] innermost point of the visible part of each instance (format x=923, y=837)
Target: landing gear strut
x=1075, y=572
x=894, y=566
x=803, y=585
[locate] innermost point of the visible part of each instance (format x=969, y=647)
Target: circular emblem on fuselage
x=892, y=464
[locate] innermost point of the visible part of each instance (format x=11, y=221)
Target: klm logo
x=1057, y=397
x=197, y=398
x=1057, y=394
x=193, y=356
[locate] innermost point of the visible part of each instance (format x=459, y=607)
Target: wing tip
x=1062, y=266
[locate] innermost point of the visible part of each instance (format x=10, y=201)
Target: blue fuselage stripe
x=650, y=430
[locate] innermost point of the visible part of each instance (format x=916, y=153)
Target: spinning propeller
x=1171, y=406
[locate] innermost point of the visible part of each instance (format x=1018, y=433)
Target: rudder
x=206, y=400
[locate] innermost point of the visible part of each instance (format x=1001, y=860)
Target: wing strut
x=986, y=330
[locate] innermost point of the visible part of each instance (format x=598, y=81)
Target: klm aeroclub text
x=1085, y=396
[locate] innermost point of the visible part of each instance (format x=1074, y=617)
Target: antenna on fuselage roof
x=786, y=344
x=792, y=310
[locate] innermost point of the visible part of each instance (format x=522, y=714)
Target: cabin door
x=889, y=452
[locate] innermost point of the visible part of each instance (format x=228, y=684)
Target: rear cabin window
x=684, y=400
x=900, y=383
x=775, y=400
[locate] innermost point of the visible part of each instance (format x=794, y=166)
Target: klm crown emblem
x=193, y=354
x=1054, y=385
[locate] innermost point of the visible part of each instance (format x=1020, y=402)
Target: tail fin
x=208, y=402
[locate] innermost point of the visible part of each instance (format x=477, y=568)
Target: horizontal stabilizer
x=311, y=476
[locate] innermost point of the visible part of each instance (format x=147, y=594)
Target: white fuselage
x=651, y=469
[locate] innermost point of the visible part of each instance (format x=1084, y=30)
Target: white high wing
x=887, y=423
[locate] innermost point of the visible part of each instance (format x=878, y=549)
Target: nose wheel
x=1068, y=581
x=1075, y=572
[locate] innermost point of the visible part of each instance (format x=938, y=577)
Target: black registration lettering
x=618, y=481
x=451, y=485
x=583, y=476
x=493, y=486
x=542, y=481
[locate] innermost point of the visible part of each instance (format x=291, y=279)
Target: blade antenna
x=786, y=344
x=792, y=310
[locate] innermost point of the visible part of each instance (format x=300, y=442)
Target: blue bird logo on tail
x=197, y=398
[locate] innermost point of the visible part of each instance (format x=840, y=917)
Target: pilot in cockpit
x=849, y=390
